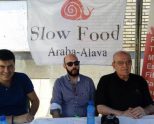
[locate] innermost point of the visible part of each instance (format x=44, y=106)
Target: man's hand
x=128, y=113
x=55, y=113
x=25, y=118
x=136, y=112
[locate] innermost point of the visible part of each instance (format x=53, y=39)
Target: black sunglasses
x=76, y=63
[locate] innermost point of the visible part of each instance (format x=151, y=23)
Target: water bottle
x=90, y=113
x=3, y=120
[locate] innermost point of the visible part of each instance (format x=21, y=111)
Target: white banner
x=148, y=63
x=91, y=29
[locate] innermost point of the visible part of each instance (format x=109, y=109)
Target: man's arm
x=55, y=110
x=136, y=112
x=149, y=109
x=105, y=110
x=55, y=106
x=92, y=89
x=20, y=119
x=28, y=117
x=139, y=111
x=34, y=103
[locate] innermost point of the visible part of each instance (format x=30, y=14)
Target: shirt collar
x=70, y=79
x=116, y=75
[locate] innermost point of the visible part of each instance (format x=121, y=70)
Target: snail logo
x=73, y=10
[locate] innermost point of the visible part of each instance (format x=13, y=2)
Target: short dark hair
x=6, y=55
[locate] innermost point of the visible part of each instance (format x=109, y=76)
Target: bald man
x=122, y=93
x=72, y=91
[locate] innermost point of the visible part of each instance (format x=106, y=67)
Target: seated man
x=71, y=92
x=123, y=93
x=16, y=90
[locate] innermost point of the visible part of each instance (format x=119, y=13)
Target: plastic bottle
x=90, y=113
x=3, y=120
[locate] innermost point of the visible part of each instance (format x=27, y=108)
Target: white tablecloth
x=123, y=120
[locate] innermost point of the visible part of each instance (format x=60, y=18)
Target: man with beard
x=72, y=91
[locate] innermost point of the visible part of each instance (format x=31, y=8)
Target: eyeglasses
x=121, y=63
x=76, y=63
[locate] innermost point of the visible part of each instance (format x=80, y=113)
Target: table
x=76, y=120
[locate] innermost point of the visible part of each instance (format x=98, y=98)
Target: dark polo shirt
x=120, y=94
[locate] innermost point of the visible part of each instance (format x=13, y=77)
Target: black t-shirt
x=120, y=94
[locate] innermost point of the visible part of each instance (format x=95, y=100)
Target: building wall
x=130, y=24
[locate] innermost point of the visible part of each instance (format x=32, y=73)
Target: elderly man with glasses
x=123, y=93
x=72, y=91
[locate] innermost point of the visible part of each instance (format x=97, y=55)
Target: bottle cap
x=91, y=102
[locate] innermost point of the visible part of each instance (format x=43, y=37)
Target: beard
x=73, y=72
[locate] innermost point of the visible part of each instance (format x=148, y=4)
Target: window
x=13, y=23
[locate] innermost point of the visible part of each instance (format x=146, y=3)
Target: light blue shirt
x=72, y=100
